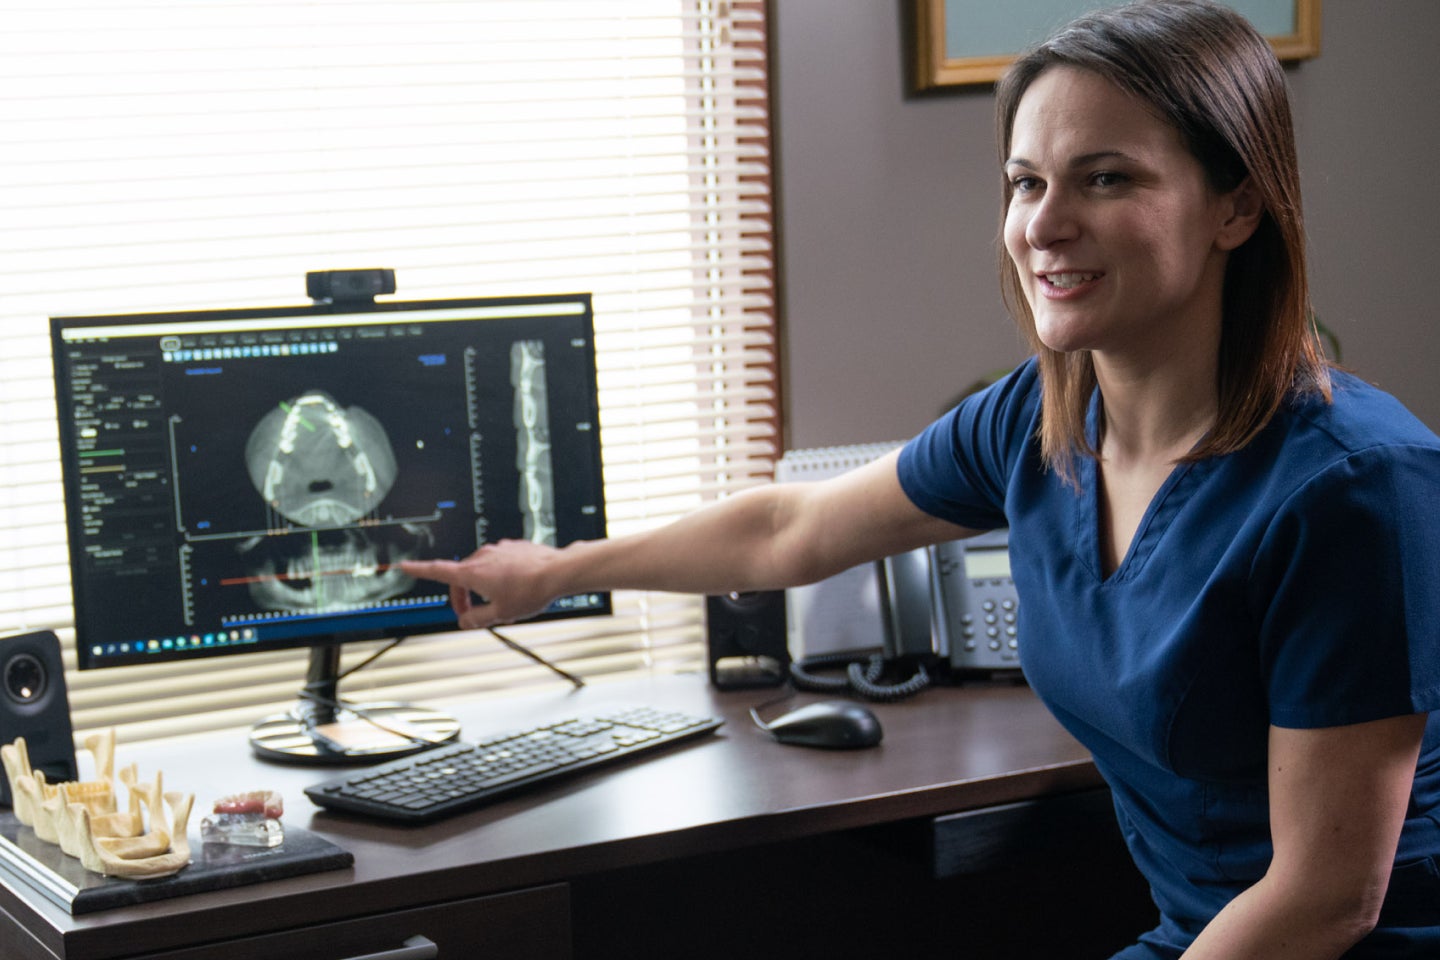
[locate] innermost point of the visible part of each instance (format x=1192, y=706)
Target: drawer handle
x=415, y=948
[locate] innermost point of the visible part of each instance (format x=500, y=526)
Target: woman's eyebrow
x=1083, y=160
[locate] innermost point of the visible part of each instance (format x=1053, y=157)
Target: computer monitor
x=248, y=480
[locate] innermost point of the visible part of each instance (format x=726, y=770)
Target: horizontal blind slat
x=616, y=148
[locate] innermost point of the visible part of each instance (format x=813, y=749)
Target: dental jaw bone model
x=84, y=819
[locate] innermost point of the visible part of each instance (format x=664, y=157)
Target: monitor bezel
x=444, y=620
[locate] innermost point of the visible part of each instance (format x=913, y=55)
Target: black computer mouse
x=833, y=724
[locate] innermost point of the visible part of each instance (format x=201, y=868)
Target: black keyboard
x=461, y=776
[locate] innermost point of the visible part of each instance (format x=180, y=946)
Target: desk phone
x=953, y=604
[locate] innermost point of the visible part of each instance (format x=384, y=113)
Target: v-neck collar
x=1162, y=508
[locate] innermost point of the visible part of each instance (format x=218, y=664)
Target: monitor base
x=356, y=733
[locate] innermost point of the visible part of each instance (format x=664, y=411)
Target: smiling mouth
x=1068, y=281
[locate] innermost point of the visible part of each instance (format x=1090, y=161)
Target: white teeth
x=1066, y=281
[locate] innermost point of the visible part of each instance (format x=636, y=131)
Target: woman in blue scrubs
x=1229, y=552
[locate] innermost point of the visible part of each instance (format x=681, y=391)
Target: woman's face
x=1119, y=241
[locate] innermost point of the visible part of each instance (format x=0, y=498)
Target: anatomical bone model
x=85, y=819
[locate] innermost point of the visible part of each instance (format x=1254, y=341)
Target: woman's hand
x=499, y=583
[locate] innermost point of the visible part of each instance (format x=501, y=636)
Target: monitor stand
x=322, y=729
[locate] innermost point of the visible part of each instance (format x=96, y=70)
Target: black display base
x=360, y=733
x=63, y=880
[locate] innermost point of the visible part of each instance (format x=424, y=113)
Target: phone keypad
x=994, y=625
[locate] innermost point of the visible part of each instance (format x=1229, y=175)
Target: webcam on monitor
x=348, y=286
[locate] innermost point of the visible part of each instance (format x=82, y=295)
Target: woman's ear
x=1242, y=210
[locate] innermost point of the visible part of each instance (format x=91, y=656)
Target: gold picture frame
x=1291, y=26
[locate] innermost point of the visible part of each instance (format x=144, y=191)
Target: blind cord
x=526, y=651
x=515, y=645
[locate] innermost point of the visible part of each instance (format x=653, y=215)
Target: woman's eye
x=1023, y=183
x=1107, y=178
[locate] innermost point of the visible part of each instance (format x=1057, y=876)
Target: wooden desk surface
x=950, y=749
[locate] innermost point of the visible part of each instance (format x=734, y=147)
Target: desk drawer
x=524, y=925
x=1031, y=834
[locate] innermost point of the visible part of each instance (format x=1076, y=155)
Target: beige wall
x=888, y=214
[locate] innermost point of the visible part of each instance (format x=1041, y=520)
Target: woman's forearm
x=736, y=544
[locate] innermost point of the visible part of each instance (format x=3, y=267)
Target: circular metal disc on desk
x=359, y=733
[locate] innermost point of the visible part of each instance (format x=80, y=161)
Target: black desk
x=733, y=843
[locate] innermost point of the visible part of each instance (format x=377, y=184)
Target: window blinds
x=186, y=154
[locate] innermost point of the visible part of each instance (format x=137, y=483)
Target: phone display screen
x=992, y=563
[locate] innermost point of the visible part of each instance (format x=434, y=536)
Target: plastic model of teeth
x=84, y=818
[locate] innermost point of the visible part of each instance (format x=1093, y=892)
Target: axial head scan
x=319, y=464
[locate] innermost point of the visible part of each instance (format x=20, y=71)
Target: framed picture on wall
x=963, y=42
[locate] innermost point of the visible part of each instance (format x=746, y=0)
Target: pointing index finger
x=442, y=570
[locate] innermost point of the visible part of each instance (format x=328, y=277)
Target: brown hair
x=1204, y=69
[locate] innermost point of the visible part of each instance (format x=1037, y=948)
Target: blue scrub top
x=1295, y=582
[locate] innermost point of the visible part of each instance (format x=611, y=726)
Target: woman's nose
x=1052, y=220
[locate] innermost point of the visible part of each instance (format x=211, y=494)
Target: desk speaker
x=747, y=639
x=34, y=705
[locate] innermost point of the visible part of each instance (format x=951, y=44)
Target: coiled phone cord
x=862, y=675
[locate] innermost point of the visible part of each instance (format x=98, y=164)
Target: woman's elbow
x=1352, y=912
x=1364, y=917
x=1331, y=908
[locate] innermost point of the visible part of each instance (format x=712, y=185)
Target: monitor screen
x=247, y=480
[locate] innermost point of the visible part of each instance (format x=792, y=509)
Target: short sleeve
x=1348, y=582
x=959, y=468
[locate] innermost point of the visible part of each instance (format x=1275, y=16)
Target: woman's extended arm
x=1337, y=801
x=778, y=535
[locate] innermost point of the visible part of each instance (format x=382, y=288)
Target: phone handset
x=905, y=605
x=904, y=582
